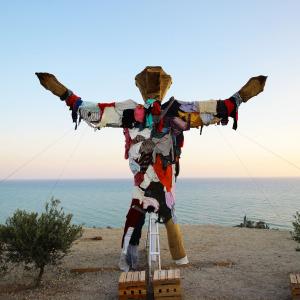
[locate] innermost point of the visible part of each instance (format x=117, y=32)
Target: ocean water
x=104, y=203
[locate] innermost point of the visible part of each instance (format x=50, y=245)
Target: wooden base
x=166, y=285
x=132, y=285
x=295, y=286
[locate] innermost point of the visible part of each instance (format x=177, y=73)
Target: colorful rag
x=149, y=117
x=139, y=113
x=127, y=142
x=170, y=200
x=102, y=106
x=71, y=100
x=164, y=175
x=232, y=110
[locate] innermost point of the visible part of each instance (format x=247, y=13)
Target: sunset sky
x=211, y=48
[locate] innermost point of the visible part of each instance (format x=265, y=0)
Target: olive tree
x=3, y=266
x=296, y=225
x=39, y=239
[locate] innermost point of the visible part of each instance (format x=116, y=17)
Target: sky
x=211, y=48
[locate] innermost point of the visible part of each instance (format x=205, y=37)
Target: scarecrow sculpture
x=153, y=141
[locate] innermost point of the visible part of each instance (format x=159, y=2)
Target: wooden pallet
x=166, y=285
x=295, y=286
x=132, y=285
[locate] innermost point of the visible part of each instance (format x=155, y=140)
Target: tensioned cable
x=67, y=163
x=269, y=150
x=35, y=156
x=248, y=172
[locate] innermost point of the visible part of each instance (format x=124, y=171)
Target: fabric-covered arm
x=199, y=113
x=97, y=115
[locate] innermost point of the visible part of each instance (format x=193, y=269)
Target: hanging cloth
x=164, y=175
x=232, y=110
x=149, y=117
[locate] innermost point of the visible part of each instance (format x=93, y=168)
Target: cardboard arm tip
x=253, y=87
x=50, y=82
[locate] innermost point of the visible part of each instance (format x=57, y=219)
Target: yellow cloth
x=195, y=120
x=175, y=240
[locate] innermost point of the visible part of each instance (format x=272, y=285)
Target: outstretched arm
x=97, y=115
x=209, y=112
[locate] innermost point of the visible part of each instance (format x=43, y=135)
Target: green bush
x=296, y=225
x=3, y=266
x=39, y=240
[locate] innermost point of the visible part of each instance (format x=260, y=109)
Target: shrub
x=3, y=266
x=296, y=225
x=39, y=240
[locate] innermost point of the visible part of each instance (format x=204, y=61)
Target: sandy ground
x=225, y=263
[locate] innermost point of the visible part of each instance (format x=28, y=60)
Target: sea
x=105, y=202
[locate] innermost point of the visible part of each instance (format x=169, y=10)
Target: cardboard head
x=153, y=83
